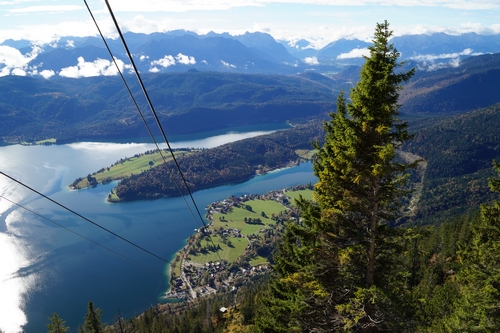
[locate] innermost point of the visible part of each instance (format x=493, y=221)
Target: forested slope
x=472, y=84
x=190, y=102
x=229, y=163
x=459, y=151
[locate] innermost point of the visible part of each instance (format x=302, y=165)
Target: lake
x=45, y=268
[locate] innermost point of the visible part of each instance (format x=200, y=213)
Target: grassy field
x=305, y=153
x=306, y=194
x=258, y=261
x=129, y=166
x=235, y=219
x=176, y=266
x=229, y=253
x=40, y=142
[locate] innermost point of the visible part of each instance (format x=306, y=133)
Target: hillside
x=459, y=151
x=100, y=108
x=230, y=163
x=474, y=84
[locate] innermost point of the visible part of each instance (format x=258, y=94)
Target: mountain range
x=180, y=50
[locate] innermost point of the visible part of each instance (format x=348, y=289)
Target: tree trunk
x=370, y=270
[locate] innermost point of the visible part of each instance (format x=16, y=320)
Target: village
x=240, y=247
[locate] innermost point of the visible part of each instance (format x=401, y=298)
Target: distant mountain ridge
x=251, y=53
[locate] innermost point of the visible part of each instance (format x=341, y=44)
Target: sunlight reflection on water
x=18, y=276
x=12, y=287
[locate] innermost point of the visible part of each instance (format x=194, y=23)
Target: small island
x=237, y=243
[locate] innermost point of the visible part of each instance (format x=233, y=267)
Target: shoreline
x=258, y=172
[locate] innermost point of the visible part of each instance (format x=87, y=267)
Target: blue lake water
x=45, y=269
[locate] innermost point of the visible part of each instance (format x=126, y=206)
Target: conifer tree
x=57, y=325
x=335, y=269
x=92, y=322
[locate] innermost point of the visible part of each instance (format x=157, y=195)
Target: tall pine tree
x=335, y=268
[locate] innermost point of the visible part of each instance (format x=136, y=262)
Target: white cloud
x=96, y=68
x=18, y=72
x=431, y=62
x=48, y=8
x=455, y=62
x=432, y=66
x=169, y=60
x=12, y=61
x=311, y=61
x=205, y=62
x=4, y=71
x=143, y=25
x=47, y=73
x=185, y=60
x=143, y=57
x=16, y=2
x=182, y=5
x=70, y=43
x=227, y=64
x=355, y=53
x=46, y=33
x=166, y=61
x=321, y=21
x=432, y=57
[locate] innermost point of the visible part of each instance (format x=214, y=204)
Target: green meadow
x=229, y=253
x=236, y=218
x=129, y=166
x=305, y=153
x=306, y=194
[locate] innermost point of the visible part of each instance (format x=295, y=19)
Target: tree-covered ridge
x=458, y=151
x=98, y=108
x=474, y=84
x=229, y=163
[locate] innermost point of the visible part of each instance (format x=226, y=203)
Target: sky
x=319, y=21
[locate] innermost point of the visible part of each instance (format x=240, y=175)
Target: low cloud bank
x=355, y=53
x=432, y=57
x=311, y=61
x=432, y=62
x=170, y=60
x=227, y=64
x=95, y=68
x=13, y=62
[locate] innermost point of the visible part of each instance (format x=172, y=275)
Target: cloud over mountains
x=180, y=50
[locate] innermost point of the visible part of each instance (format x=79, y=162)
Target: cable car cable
x=140, y=112
x=80, y=235
x=85, y=218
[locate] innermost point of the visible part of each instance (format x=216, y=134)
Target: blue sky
x=320, y=21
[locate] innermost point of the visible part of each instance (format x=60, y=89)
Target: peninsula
x=237, y=243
